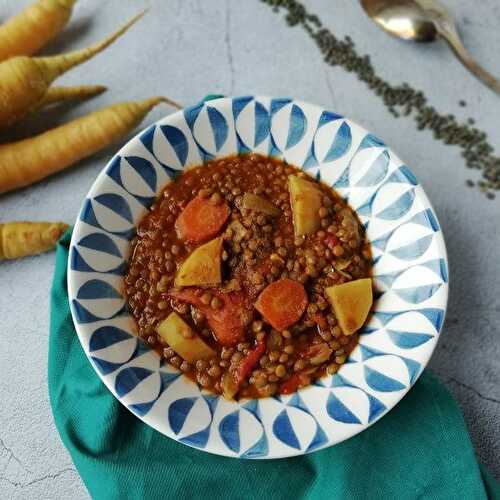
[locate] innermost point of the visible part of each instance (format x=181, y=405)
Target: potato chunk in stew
x=202, y=267
x=306, y=199
x=351, y=302
x=183, y=340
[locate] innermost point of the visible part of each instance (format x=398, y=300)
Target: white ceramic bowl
x=410, y=274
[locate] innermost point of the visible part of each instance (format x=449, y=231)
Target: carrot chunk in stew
x=282, y=303
x=201, y=219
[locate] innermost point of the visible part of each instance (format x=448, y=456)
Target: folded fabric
x=421, y=449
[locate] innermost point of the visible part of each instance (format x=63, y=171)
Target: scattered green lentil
x=400, y=99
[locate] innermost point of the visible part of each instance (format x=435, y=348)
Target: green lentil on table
x=400, y=99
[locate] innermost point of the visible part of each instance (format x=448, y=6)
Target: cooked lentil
x=257, y=249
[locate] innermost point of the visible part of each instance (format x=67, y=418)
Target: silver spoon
x=424, y=21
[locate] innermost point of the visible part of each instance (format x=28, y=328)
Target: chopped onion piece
x=254, y=202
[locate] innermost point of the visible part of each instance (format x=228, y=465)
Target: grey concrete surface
x=187, y=48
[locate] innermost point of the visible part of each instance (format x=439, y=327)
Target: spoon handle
x=448, y=31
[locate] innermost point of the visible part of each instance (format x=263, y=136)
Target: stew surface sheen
x=266, y=324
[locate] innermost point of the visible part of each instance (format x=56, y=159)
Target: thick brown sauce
x=334, y=254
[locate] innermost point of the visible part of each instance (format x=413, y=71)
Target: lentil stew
x=250, y=277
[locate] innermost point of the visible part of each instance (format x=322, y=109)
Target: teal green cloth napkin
x=421, y=449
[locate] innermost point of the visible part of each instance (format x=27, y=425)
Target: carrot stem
x=30, y=160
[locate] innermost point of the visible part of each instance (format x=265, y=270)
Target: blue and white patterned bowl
x=410, y=274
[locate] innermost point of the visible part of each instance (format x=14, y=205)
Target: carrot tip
x=153, y=101
x=99, y=89
x=54, y=66
x=172, y=103
x=134, y=19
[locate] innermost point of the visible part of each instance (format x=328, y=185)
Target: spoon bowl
x=425, y=21
x=402, y=18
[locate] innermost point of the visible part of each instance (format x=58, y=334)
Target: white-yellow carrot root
x=54, y=66
x=20, y=239
x=30, y=30
x=77, y=93
x=30, y=160
x=24, y=80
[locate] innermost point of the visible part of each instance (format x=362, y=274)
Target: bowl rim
x=129, y=147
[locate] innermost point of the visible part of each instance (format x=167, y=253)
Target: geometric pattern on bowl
x=410, y=276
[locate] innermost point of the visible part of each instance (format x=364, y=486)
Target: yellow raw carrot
x=20, y=239
x=24, y=81
x=77, y=93
x=30, y=160
x=31, y=29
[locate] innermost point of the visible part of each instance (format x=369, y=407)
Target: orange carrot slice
x=227, y=323
x=201, y=220
x=282, y=303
